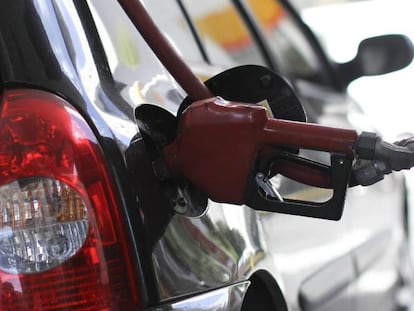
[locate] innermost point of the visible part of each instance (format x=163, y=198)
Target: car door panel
x=336, y=276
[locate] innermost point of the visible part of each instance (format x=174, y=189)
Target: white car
x=387, y=99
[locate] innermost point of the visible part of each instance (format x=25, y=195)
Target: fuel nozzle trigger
x=338, y=174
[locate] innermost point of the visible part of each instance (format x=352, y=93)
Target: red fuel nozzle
x=218, y=143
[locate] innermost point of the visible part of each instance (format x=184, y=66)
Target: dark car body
x=230, y=257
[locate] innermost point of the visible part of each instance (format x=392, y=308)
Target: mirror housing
x=377, y=56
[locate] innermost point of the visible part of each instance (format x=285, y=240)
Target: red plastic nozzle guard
x=216, y=147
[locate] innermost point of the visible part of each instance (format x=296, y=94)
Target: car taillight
x=62, y=242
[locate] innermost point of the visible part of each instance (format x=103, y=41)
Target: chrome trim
x=228, y=298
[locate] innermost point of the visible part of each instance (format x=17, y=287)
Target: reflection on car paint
x=216, y=252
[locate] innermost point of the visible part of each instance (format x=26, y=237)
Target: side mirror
x=377, y=56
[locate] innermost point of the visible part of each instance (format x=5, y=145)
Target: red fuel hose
x=164, y=51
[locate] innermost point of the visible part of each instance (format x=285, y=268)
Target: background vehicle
x=114, y=242
x=375, y=94
x=340, y=41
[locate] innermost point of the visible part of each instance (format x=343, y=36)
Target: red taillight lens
x=62, y=243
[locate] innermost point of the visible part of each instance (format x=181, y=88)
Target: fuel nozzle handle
x=230, y=150
x=377, y=157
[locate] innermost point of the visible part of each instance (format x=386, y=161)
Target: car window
x=295, y=55
x=223, y=33
x=170, y=19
